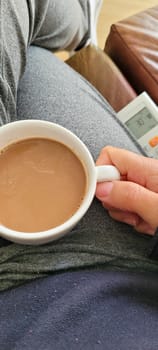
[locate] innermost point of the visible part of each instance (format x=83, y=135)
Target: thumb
x=129, y=196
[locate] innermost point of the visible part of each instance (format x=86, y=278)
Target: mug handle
x=107, y=173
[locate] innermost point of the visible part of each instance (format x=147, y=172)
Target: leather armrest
x=93, y=64
x=133, y=45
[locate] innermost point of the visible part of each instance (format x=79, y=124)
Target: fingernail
x=146, y=229
x=151, y=232
x=104, y=189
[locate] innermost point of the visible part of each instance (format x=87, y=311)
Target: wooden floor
x=113, y=11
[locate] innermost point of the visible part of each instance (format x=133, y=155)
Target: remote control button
x=154, y=141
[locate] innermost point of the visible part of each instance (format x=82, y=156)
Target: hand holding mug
x=134, y=199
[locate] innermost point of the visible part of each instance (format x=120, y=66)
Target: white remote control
x=141, y=118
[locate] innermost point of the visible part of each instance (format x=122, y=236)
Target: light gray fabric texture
x=51, y=90
x=53, y=24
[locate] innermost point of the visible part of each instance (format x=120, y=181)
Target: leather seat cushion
x=133, y=45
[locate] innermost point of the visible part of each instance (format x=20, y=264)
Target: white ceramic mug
x=25, y=129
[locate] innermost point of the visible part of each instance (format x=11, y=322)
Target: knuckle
x=104, y=156
x=103, y=151
x=107, y=149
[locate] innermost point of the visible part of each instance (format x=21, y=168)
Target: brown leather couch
x=128, y=65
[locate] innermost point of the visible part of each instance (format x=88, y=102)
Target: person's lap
x=51, y=90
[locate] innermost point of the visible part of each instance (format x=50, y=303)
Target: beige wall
x=113, y=11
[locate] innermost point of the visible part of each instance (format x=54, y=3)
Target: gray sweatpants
x=36, y=84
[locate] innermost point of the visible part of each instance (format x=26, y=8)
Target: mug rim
x=46, y=236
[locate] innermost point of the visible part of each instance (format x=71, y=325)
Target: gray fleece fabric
x=34, y=84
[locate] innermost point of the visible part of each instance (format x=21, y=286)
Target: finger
x=128, y=196
x=108, y=207
x=124, y=216
x=133, y=167
x=144, y=227
x=132, y=220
